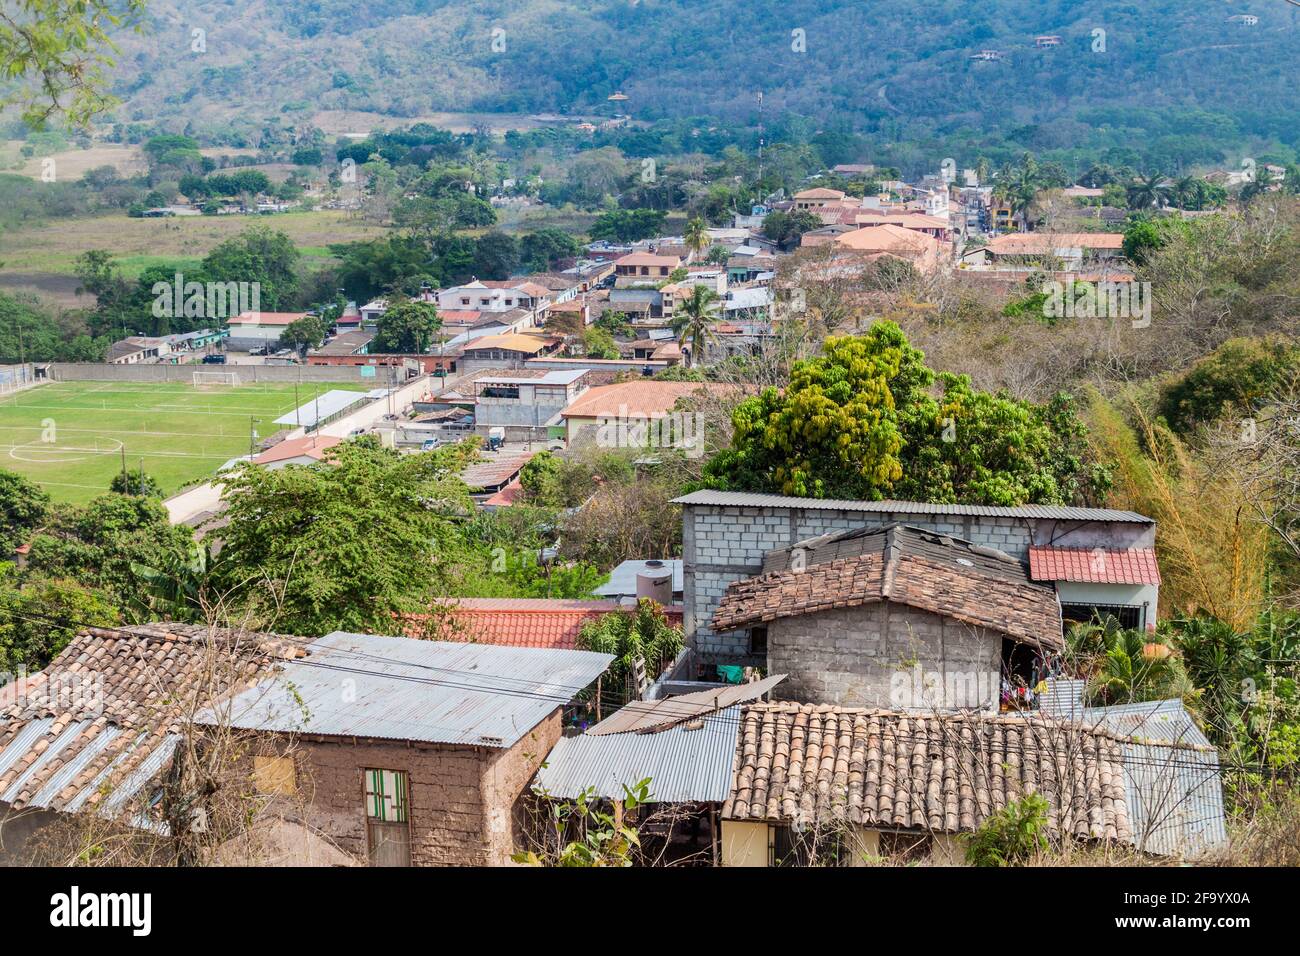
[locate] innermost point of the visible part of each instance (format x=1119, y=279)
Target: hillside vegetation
x=1171, y=74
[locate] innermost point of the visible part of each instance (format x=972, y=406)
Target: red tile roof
x=530, y=622
x=312, y=446
x=507, y=496
x=1094, y=565
x=639, y=397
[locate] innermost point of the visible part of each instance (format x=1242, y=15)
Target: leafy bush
x=1012, y=835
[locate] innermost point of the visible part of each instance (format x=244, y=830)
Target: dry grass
x=73, y=163
x=53, y=247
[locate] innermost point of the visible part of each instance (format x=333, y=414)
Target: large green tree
x=347, y=544
x=97, y=545
x=406, y=328
x=306, y=333
x=258, y=254
x=862, y=421
x=24, y=506
x=57, y=52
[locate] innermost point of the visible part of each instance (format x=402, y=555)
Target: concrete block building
x=1097, y=560
x=891, y=618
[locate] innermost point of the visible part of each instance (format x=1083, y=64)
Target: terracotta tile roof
x=532, y=622
x=640, y=397
x=932, y=572
x=507, y=496
x=95, y=726
x=888, y=238
x=1036, y=243
x=513, y=342
x=1094, y=565
x=819, y=765
x=313, y=446
x=819, y=192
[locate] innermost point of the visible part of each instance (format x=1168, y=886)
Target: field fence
x=15, y=377
x=248, y=374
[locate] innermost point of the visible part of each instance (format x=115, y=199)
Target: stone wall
x=96, y=372
x=885, y=655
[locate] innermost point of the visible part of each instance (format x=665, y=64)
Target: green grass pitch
x=71, y=436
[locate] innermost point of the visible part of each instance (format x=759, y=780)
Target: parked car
x=430, y=444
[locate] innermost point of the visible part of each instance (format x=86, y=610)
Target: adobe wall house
x=393, y=750
x=895, y=618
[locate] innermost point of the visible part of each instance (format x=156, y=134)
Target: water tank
x=655, y=582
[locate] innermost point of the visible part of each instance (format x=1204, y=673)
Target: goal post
x=215, y=378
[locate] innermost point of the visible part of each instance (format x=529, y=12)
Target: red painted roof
x=1094, y=565
x=312, y=446
x=531, y=622
x=507, y=496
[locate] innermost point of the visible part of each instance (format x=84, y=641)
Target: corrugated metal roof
x=45, y=796
x=683, y=765
x=622, y=580
x=1172, y=778
x=17, y=748
x=70, y=732
x=400, y=688
x=319, y=409
x=744, y=499
x=1175, y=799
x=641, y=716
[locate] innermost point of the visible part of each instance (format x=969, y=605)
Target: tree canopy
x=345, y=545
x=861, y=421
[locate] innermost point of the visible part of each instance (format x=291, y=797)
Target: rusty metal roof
x=399, y=688
x=648, y=716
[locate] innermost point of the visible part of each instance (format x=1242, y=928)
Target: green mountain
x=1130, y=72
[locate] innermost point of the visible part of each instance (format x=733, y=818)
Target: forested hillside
x=1164, y=70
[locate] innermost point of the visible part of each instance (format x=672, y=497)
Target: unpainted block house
x=382, y=750
x=1094, y=559
x=891, y=617
x=890, y=633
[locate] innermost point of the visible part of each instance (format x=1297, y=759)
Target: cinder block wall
x=725, y=544
x=885, y=655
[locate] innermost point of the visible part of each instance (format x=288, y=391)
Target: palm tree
x=693, y=322
x=1127, y=666
x=1148, y=191
x=1185, y=194
x=697, y=235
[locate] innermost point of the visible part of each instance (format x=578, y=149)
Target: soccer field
x=71, y=436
